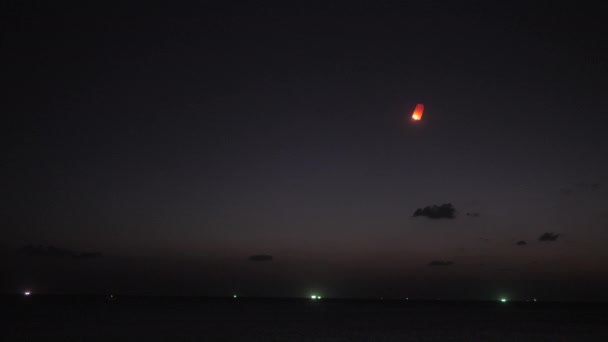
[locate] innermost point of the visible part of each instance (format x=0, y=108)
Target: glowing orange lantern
x=417, y=115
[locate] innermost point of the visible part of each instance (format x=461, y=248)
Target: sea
x=118, y=318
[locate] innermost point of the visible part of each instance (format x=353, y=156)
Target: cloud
x=475, y=215
x=580, y=187
x=436, y=212
x=521, y=243
x=56, y=252
x=548, y=237
x=90, y=255
x=588, y=186
x=441, y=263
x=260, y=257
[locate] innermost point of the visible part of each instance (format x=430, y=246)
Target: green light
x=504, y=300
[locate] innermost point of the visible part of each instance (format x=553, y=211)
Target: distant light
x=319, y=297
x=27, y=293
x=535, y=299
x=417, y=115
x=313, y=297
x=233, y=296
x=504, y=300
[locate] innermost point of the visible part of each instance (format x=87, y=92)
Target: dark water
x=54, y=318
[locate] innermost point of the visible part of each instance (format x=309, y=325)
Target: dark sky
x=216, y=148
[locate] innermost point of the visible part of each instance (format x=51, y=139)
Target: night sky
x=216, y=148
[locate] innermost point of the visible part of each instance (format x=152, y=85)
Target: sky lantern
x=417, y=115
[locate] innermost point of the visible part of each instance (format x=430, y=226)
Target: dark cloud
x=260, y=257
x=475, y=215
x=580, y=187
x=441, y=263
x=56, y=252
x=588, y=186
x=548, y=237
x=436, y=212
x=521, y=243
x=90, y=255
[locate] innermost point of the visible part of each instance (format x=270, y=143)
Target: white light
x=313, y=297
x=504, y=300
x=27, y=293
x=319, y=297
x=233, y=296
